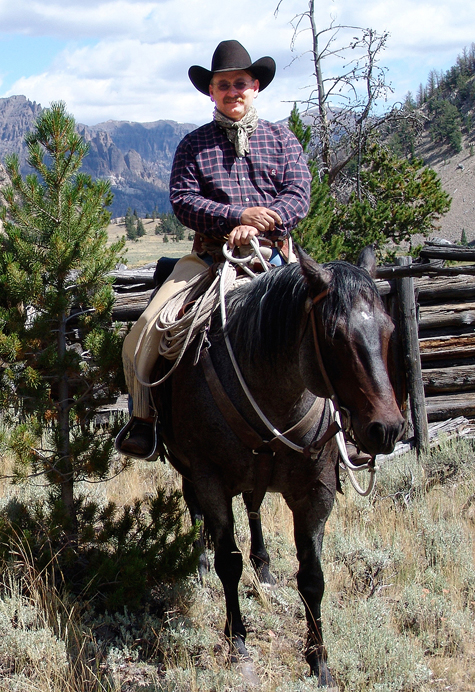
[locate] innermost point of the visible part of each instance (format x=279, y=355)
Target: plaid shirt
x=210, y=186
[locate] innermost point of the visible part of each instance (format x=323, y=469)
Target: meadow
x=398, y=608
x=150, y=247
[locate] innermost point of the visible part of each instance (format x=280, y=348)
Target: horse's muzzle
x=380, y=437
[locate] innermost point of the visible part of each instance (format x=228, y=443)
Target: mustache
x=231, y=99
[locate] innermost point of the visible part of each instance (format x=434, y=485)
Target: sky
x=129, y=59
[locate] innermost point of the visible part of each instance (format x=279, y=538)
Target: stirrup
x=155, y=449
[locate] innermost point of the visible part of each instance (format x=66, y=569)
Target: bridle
x=336, y=424
x=338, y=412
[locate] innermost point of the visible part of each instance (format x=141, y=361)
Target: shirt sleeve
x=293, y=199
x=191, y=207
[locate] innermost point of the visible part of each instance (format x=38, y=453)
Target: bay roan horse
x=270, y=329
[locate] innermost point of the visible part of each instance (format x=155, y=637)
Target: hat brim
x=263, y=70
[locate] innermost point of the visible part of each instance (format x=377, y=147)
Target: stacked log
x=447, y=335
x=446, y=324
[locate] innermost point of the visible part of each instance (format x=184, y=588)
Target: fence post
x=412, y=357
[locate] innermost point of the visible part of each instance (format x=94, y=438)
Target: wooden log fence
x=433, y=357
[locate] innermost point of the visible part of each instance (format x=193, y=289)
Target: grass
x=150, y=247
x=398, y=609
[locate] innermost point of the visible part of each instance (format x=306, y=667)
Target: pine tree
x=301, y=131
x=140, y=229
x=130, y=227
x=54, y=263
x=312, y=233
x=54, y=287
x=401, y=198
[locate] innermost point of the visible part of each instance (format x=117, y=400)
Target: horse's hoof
x=325, y=678
x=265, y=576
x=242, y=662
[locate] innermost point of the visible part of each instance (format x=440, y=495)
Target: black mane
x=265, y=315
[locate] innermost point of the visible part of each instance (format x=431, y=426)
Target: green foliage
x=463, y=237
x=445, y=125
x=60, y=355
x=315, y=233
x=169, y=225
x=130, y=227
x=121, y=553
x=401, y=198
x=140, y=229
x=301, y=131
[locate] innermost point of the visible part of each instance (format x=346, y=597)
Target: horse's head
x=352, y=331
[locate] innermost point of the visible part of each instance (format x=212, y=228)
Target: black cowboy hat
x=228, y=56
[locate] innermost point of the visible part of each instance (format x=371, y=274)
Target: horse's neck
x=278, y=387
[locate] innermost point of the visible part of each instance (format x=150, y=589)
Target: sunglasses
x=239, y=85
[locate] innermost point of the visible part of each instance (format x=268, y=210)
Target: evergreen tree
x=140, y=229
x=60, y=360
x=53, y=278
x=301, y=131
x=130, y=227
x=401, y=198
x=312, y=233
x=445, y=124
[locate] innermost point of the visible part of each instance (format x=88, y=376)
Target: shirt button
x=247, y=199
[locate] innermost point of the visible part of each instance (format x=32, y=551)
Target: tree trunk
x=65, y=467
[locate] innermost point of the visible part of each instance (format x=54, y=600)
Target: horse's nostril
x=377, y=432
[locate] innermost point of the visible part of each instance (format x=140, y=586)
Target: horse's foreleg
x=310, y=516
x=258, y=555
x=217, y=510
x=196, y=515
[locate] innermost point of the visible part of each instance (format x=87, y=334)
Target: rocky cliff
x=135, y=157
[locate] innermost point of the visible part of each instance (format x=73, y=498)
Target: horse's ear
x=315, y=275
x=367, y=260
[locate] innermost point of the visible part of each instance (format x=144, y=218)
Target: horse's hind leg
x=196, y=515
x=310, y=515
x=259, y=556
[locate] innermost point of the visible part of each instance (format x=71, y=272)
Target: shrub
x=121, y=553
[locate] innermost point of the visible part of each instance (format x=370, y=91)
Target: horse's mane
x=264, y=315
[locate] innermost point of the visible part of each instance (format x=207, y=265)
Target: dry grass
x=398, y=609
x=150, y=247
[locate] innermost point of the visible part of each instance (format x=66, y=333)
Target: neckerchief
x=238, y=131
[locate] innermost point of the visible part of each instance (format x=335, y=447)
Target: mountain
x=135, y=157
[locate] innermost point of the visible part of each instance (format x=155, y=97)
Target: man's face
x=233, y=92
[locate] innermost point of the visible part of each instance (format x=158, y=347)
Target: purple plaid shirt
x=210, y=186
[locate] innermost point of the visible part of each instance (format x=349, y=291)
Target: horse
x=299, y=334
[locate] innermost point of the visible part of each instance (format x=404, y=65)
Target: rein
x=335, y=410
x=336, y=425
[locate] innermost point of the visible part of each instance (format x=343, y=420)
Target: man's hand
x=261, y=218
x=241, y=235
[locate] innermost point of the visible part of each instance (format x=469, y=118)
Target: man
x=232, y=179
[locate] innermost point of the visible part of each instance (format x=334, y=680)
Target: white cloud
x=135, y=63
x=72, y=19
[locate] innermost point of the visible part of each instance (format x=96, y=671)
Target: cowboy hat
x=230, y=56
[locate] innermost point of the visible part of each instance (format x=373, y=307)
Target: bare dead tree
x=343, y=104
